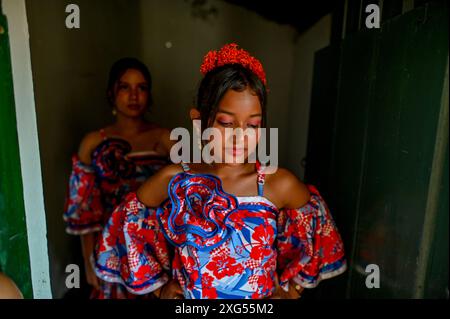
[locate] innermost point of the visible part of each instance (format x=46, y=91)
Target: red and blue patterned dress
x=218, y=245
x=95, y=190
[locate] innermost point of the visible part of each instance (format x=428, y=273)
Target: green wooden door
x=403, y=113
x=383, y=150
x=14, y=255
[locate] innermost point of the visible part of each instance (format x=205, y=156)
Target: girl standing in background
x=113, y=161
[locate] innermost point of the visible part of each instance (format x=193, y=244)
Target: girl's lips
x=236, y=151
x=134, y=107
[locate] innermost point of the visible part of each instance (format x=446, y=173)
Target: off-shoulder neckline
x=240, y=199
x=110, y=139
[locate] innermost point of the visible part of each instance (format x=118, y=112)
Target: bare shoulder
x=158, y=132
x=163, y=136
x=89, y=142
x=154, y=190
x=287, y=189
x=153, y=128
x=163, y=130
x=163, y=133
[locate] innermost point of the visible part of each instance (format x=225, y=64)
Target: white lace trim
x=255, y=199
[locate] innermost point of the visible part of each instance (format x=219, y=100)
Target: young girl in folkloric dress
x=112, y=162
x=222, y=230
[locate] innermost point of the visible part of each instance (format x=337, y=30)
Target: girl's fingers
x=275, y=281
x=178, y=288
x=171, y=290
x=91, y=277
x=94, y=281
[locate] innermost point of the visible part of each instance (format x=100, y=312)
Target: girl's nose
x=134, y=94
x=238, y=135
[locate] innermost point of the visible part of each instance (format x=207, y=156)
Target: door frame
x=33, y=195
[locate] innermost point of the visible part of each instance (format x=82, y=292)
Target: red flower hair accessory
x=232, y=54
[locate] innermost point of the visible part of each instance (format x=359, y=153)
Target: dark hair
x=119, y=68
x=221, y=79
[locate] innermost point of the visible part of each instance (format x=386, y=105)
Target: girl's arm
x=88, y=144
x=308, y=243
x=87, y=246
x=132, y=232
x=286, y=191
x=166, y=142
x=152, y=193
x=154, y=190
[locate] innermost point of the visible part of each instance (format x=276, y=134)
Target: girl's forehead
x=132, y=74
x=236, y=103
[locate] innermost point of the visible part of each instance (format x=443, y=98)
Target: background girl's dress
x=95, y=190
x=218, y=245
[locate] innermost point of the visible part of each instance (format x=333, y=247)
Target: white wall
x=307, y=43
x=70, y=70
x=176, y=70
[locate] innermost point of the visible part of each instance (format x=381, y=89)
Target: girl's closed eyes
x=229, y=122
x=254, y=124
x=225, y=124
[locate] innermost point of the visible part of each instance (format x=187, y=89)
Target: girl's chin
x=133, y=114
x=234, y=159
x=230, y=164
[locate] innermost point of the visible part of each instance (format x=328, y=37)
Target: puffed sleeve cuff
x=132, y=249
x=309, y=245
x=83, y=211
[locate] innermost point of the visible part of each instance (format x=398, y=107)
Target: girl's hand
x=280, y=293
x=87, y=246
x=171, y=290
x=293, y=292
x=91, y=277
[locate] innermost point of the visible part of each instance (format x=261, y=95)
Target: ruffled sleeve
x=83, y=211
x=132, y=250
x=309, y=245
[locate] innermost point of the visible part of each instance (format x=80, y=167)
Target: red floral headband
x=231, y=54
